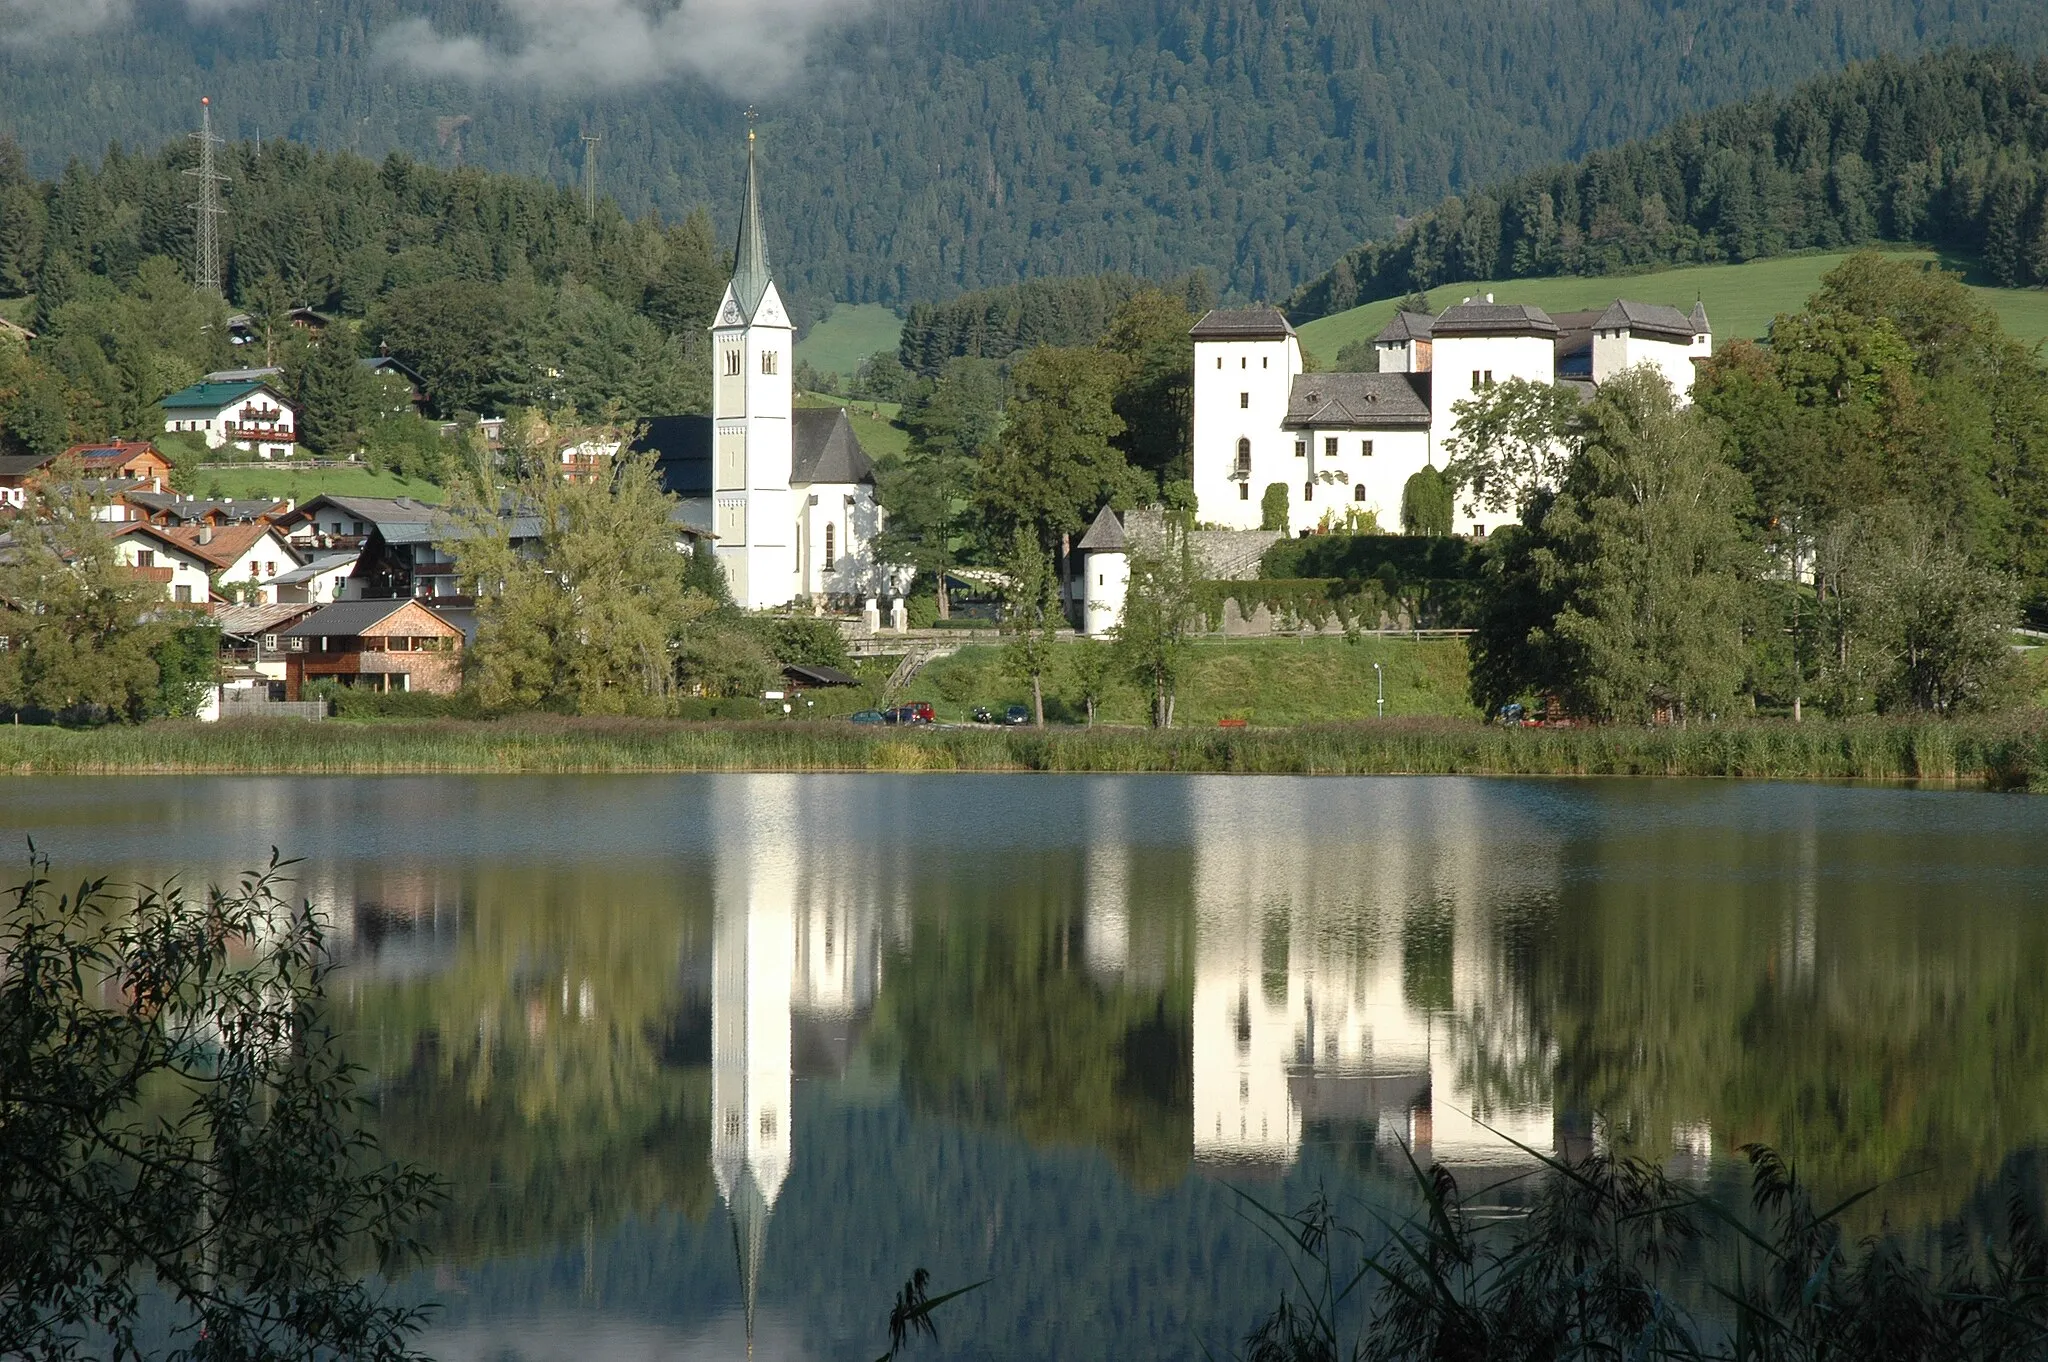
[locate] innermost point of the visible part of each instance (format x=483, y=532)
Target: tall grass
x=2003, y=753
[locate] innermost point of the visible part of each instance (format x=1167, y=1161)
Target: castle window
x=1265, y=363
x=768, y=361
x=1244, y=491
x=1365, y=448
x=732, y=364
x=1244, y=458
x=1489, y=378
x=1219, y=361
x=829, y=559
x=1244, y=400
x=1308, y=491
x=1243, y=363
x=1358, y=492
x=1329, y=446
x=1301, y=449
x=1475, y=380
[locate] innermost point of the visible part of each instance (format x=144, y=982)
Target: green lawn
x=1741, y=299
x=874, y=422
x=849, y=334
x=254, y=480
x=1271, y=682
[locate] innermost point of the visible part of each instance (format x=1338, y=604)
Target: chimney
x=1489, y=297
x=206, y=531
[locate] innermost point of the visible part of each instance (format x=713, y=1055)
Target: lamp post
x=1380, y=676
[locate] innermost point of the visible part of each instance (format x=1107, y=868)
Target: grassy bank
x=2003, y=754
x=1269, y=682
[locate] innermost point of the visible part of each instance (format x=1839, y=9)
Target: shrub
x=1273, y=507
x=1427, y=503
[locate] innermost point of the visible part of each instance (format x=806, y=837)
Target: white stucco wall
x=188, y=573
x=1617, y=351
x=855, y=518
x=216, y=425
x=1105, y=583
x=1456, y=358
x=1395, y=457
x=1240, y=392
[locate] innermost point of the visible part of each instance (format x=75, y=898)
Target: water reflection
x=708, y=1060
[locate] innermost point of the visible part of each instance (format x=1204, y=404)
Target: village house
x=245, y=560
x=248, y=414
x=378, y=645
x=170, y=508
x=186, y=578
x=320, y=581
x=120, y=464
x=252, y=656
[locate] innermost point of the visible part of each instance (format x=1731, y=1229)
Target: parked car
x=1017, y=714
x=866, y=716
x=917, y=712
x=984, y=715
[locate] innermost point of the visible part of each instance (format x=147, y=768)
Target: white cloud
x=24, y=22
x=740, y=44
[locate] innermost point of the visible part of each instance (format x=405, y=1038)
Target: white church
x=1342, y=441
x=787, y=490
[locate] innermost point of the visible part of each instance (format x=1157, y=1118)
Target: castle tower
x=752, y=353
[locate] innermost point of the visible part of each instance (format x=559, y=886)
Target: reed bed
x=2009, y=753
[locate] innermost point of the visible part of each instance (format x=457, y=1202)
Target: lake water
x=701, y=1056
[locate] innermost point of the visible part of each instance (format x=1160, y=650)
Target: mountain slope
x=936, y=145
x=1950, y=150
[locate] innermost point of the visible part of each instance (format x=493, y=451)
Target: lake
x=711, y=1057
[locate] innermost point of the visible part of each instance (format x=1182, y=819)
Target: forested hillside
x=930, y=146
x=1951, y=150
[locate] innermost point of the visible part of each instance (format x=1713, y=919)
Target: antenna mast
x=206, y=241
x=590, y=141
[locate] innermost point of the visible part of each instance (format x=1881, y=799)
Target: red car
x=917, y=712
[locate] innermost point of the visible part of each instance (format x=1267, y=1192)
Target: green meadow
x=1741, y=299
x=257, y=480
x=848, y=334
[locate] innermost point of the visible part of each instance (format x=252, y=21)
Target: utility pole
x=206, y=241
x=590, y=141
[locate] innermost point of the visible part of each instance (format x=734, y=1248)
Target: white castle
x=1342, y=441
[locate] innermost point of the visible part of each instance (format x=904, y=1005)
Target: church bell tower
x=752, y=354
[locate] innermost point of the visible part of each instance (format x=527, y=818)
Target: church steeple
x=750, y=274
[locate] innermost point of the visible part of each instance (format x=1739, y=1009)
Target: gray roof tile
x=1106, y=535
x=1359, y=402
x=1493, y=319
x=1405, y=327
x=1245, y=323
x=826, y=448
x=1653, y=320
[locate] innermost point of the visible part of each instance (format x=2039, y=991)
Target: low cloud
x=25, y=22
x=740, y=44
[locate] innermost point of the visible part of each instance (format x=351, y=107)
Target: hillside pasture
x=848, y=334
x=1741, y=299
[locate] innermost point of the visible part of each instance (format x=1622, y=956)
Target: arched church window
x=1244, y=457
x=830, y=557
x=768, y=361
x=732, y=364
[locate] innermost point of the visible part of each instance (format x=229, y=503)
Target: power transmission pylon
x=206, y=241
x=590, y=141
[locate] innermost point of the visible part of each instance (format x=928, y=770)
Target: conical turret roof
x=1106, y=535
x=750, y=273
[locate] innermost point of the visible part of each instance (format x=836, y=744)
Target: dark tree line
x=929, y=147
x=1950, y=150
x=998, y=323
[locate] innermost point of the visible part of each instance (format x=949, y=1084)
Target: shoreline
x=2008, y=753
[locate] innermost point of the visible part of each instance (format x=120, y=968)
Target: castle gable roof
x=1244, y=323
x=1359, y=402
x=1652, y=321
x=1406, y=326
x=1493, y=319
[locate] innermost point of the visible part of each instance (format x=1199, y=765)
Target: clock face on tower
x=731, y=316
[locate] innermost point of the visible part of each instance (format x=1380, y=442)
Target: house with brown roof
x=375, y=645
x=121, y=464
x=241, y=560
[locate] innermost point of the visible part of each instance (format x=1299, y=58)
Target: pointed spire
x=1698, y=319
x=750, y=276
x=749, y=1211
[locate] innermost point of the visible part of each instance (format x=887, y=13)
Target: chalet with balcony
x=388, y=645
x=170, y=508
x=248, y=414
x=186, y=578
